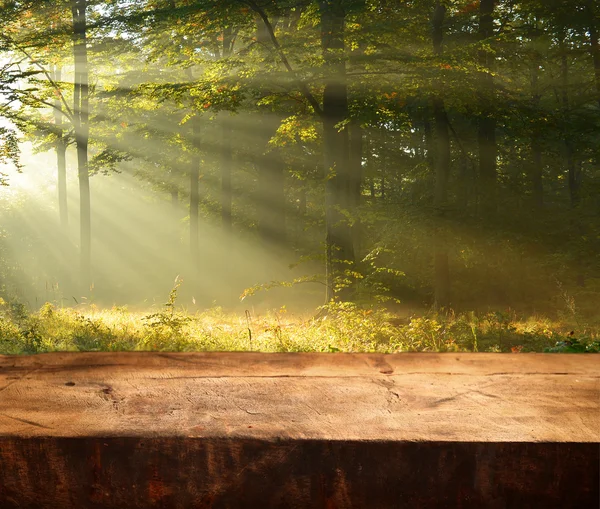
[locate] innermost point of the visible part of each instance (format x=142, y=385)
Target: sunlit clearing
x=387, y=176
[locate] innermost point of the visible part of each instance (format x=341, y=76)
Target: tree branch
x=301, y=84
x=55, y=107
x=68, y=113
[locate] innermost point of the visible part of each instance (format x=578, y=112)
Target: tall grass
x=341, y=327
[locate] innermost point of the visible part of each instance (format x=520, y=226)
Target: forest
x=310, y=175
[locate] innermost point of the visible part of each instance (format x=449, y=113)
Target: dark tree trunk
x=595, y=49
x=194, y=195
x=486, y=135
x=271, y=199
x=61, y=162
x=537, y=185
x=466, y=179
x=301, y=215
x=302, y=202
x=370, y=181
x=428, y=139
x=355, y=181
x=537, y=182
x=572, y=168
x=226, y=155
x=442, y=174
x=61, y=157
x=335, y=146
x=226, y=159
x=81, y=124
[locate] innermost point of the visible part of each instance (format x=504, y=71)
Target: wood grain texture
x=299, y=430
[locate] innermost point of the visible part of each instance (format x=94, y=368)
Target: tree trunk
x=81, y=124
x=335, y=148
x=226, y=158
x=595, y=49
x=428, y=142
x=572, y=169
x=301, y=215
x=61, y=157
x=537, y=185
x=442, y=174
x=466, y=180
x=486, y=135
x=537, y=182
x=194, y=195
x=355, y=181
x=271, y=199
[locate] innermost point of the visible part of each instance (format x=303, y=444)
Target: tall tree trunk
x=486, y=134
x=226, y=156
x=537, y=185
x=466, y=180
x=595, y=50
x=442, y=174
x=61, y=156
x=428, y=142
x=355, y=181
x=335, y=147
x=81, y=124
x=271, y=199
x=195, y=195
x=226, y=159
x=537, y=182
x=572, y=168
x=301, y=215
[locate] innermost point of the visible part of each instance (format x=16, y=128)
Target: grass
x=338, y=328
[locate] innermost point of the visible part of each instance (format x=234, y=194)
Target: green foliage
x=166, y=328
x=337, y=327
x=165, y=75
x=573, y=344
x=9, y=150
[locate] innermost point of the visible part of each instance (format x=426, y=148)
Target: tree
x=487, y=121
x=81, y=126
x=442, y=171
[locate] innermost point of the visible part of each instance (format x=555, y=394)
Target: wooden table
x=225, y=430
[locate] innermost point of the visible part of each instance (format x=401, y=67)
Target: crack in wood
x=25, y=421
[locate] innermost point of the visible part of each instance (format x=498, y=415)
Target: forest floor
x=336, y=328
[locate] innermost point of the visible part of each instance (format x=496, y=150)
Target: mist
x=140, y=246
x=401, y=158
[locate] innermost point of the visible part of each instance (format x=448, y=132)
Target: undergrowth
x=342, y=327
